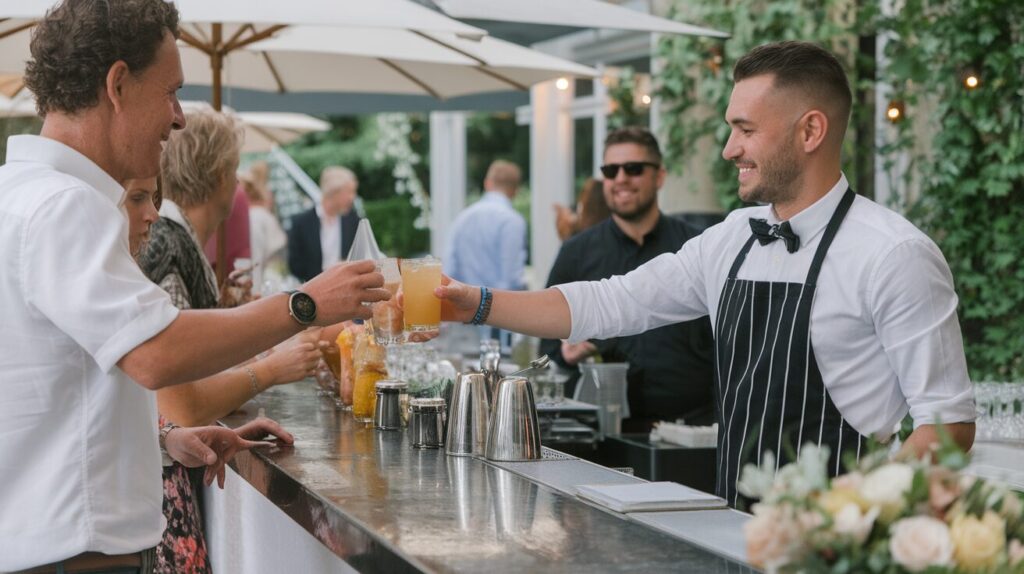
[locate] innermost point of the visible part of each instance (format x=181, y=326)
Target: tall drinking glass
x=422, y=308
x=387, y=315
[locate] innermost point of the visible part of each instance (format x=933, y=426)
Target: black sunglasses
x=632, y=168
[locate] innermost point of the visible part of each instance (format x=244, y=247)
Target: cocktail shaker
x=426, y=422
x=468, y=416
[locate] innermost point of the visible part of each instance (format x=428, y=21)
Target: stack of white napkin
x=684, y=435
x=648, y=496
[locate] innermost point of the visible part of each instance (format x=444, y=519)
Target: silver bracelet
x=253, y=381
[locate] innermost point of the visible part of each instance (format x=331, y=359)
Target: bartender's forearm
x=543, y=314
x=920, y=441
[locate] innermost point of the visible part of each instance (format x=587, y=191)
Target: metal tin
x=426, y=422
x=387, y=412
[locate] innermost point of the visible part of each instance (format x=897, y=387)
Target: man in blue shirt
x=488, y=241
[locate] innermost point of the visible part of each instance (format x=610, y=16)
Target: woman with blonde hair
x=198, y=181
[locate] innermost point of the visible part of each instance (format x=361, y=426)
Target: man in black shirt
x=670, y=368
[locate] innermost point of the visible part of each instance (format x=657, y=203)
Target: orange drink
x=422, y=309
x=368, y=358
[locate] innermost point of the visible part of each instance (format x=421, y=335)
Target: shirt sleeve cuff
x=956, y=409
x=143, y=328
x=570, y=292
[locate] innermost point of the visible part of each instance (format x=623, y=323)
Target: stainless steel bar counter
x=382, y=506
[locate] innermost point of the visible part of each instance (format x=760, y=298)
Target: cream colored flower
x=885, y=487
x=851, y=480
x=943, y=489
x=833, y=501
x=850, y=521
x=1011, y=509
x=919, y=542
x=978, y=543
x=1015, y=552
x=773, y=537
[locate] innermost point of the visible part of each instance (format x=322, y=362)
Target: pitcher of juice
x=368, y=358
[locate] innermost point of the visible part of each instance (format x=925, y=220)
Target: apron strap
x=740, y=257
x=830, y=233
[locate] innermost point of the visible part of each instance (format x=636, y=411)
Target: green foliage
x=972, y=181
x=494, y=136
x=622, y=93
x=351, y=143
x=392, y=225
x=16, y=126
x=696, y=80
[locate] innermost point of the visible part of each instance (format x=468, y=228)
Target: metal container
x=513, y=434
x=426, y=422
x=387, y=412
x=468, y=416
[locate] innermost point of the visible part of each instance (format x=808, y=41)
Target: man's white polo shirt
x=79, y=461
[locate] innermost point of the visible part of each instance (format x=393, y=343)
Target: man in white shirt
x=323, y=235
x=84, y=335
x=833, y=316
x=487, y=245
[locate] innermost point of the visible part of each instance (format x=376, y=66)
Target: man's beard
x=778, y=177
x=637, y=213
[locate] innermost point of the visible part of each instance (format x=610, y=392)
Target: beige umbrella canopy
x=218, y=28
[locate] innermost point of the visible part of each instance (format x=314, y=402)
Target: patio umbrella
x=564, y=16
x=360, y=60
x=218, y=28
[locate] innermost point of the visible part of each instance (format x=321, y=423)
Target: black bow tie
x=766, y=233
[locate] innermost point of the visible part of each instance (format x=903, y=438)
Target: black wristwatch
x=301, y=307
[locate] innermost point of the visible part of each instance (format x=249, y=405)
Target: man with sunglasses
x=670, y=368
x=833, y=316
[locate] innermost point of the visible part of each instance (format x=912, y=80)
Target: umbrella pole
x=216, y=64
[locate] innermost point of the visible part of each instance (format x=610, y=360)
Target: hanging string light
x=895, y=112
x=971, y=79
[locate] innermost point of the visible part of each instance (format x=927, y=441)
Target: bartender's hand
x=258, y=429
x=341, y=290
x=458, y=300
x=212, y=446
x=574, y=353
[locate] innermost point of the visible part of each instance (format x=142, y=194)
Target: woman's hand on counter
x=258, y=429
x=210, y=446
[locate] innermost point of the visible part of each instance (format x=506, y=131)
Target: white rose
x=919, y=542
x=885, y=486
x=850, y=521
x=773, y=537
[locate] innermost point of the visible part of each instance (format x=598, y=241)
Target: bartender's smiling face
x=632, y=196
x=764, y=143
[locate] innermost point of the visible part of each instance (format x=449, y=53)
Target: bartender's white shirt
x=79, y=461
x=883, y=323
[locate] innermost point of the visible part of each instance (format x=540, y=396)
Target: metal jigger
x=468, y=416
x=513, y=434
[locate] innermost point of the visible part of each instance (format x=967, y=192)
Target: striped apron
x=769, y=392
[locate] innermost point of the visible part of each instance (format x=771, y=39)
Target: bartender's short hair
x=76, y=43
x=635, y=135
x=806, y=67
x=197, y=158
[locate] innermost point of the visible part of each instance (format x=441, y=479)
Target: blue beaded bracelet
x=485, y=307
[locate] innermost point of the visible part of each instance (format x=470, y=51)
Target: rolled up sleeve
x=918, y=328
x=83, y=279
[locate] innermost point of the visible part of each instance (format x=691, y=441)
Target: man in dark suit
x=323, y=235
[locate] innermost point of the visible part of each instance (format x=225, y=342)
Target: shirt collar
x=322, y=216
x=812, y=220
x=618, y=232
x=61, y=157
x=497, y=196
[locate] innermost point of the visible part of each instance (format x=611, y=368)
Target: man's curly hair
x=75, y=45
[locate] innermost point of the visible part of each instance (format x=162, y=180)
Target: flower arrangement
x=884, y=517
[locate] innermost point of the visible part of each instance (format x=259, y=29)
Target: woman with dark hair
x=591, y=209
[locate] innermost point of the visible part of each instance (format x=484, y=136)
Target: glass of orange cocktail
x=422, y=308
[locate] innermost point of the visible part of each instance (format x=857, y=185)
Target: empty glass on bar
x=422, y=308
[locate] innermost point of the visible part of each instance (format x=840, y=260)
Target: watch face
x=303, y=307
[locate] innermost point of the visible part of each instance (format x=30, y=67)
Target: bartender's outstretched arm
x=538, y=313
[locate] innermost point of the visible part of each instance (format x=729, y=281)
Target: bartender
x=833, y=316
